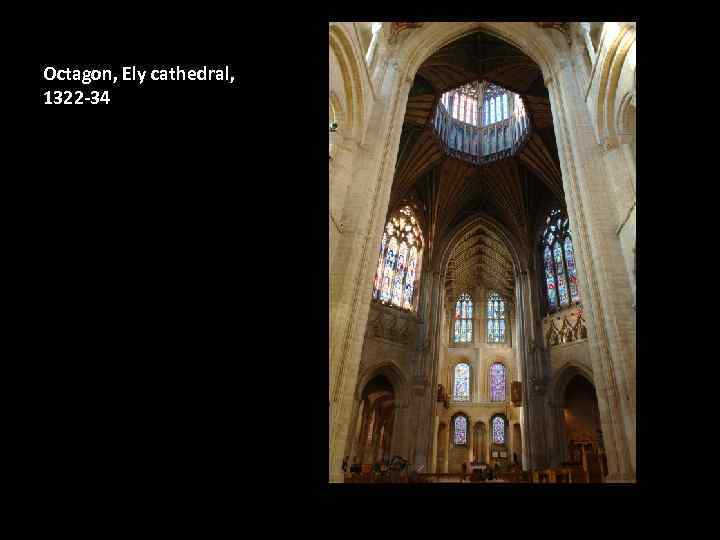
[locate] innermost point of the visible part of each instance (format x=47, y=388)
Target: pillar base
x=337, y=478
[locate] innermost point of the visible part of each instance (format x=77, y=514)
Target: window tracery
x=498, y=429
x=398, y=261
x=495, y=319
x=497, y=382
x=460, y=430
x=561, y=281
x=463, y=319
x=481, y=122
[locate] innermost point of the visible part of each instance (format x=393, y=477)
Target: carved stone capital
x=396, y=27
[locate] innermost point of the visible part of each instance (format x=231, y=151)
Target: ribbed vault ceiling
x=480, y=257
x=510, y=190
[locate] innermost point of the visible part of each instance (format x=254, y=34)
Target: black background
x=180, y=235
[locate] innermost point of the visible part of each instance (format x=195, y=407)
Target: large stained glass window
x=497, y=382
x=561, y=280
x=498, y=430
x=399, y=260
x=495, y=319
x=460, y=426
x=462, y=383
x=463, y=319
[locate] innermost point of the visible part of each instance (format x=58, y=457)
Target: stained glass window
x=462, y=383
x=559, y=262
x=550, y=278
x=495, y=106
x=397, y=293
x=399, y=260
x=497, y=382
x=496, y=319
x=462, y=102
x=560, y=270
x=571, y=272
x=498, y=430
x=463, y=319
x=460, y=430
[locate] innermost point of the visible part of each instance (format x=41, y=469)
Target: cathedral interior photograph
x=482, y=193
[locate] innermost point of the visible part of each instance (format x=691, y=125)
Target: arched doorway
x=376, y=422
x=581, y=427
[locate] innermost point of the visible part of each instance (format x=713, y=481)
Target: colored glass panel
x=572, y=272
x=389, y=270
x=562, y=284
x=410, y=278
x=550, y=278
x=498, y=429
x=397, y=294
x=462, y=382
x=463, y=319
x=460, y=430
x=497, y=382
x=496, y=315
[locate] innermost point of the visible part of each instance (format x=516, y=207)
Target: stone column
x=447, y=448
x=623, y=182
x=355, y=257
x=484, y=445
x=425, y=379
x=341, y=172
x=436, y=428
x=532, y=365
x=604, y=282
x=471, y=438
x=399, y=442
x=358, y=423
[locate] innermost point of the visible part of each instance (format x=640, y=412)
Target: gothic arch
x=559, y=384
x=393, y=374
x=613, y=61
x=534, y=41
x=565, y=375
x=348, y=56
x=456, y=234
